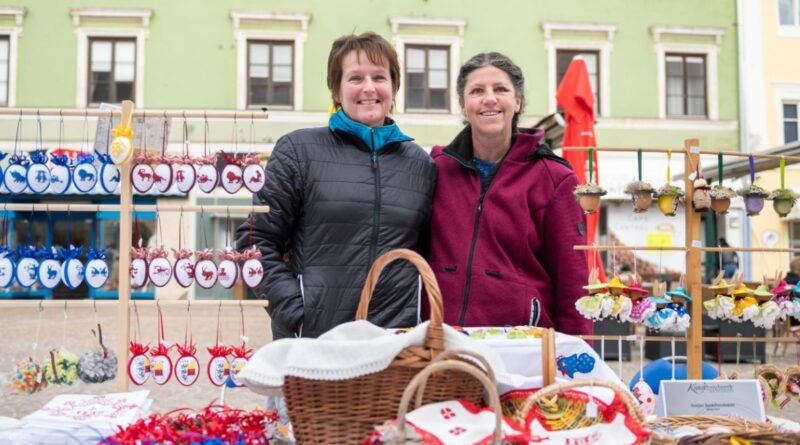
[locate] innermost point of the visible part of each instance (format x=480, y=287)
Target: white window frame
x=139, y=32
x=792, y=30
x=784, y=92
x=553, y=44
x=297, y=38
x=13, y=33
x=455, y=43
x=710, y=51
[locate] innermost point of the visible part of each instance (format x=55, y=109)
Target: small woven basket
x=346, y=411
x=562, y=413
x=764, y=438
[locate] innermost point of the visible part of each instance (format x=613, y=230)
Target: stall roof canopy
x=737, y=166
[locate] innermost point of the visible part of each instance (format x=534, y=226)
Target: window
x=112, y=70
x=269, y=73
x=427, y=74
x=427, y=49
x=686, y=85
x=790, y=122
x=4, y=69
x=592, y=60
x=788, y=13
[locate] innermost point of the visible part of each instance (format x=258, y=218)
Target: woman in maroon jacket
x=504, y=218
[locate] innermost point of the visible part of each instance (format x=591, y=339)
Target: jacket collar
x=526, y=145
x=380, y=136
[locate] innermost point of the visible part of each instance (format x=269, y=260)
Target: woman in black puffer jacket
x=339, y=197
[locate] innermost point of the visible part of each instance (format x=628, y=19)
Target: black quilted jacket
x=335, y=209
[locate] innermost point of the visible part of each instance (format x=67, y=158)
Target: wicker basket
x=765, y=438
x=568, y=413
x=739, y=426
x=418, y=385
x=346, y=411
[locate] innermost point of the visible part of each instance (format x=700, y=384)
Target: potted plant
x=721, y=199
x=669, y=196
x=753, y=199
x=782, y=200
x=588, y=196
x=642, y=194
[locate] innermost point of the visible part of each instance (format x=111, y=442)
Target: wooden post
x=694, y=284
x=124, y=287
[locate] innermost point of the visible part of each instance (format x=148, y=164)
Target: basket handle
x=418, y=380
x=454, y=354
x=627, y=399
x=435, y=339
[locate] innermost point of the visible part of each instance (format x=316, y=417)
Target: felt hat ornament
x=595, y=285
x=679, y=295
x=616, y=287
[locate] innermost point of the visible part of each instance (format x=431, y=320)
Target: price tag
x=697, y=243
x=694, y=150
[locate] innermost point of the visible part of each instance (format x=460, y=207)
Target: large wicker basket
x=346, y=411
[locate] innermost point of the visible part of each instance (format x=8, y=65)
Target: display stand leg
x=123, y=307
x=694, y=344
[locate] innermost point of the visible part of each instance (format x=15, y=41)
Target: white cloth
x=359, y=348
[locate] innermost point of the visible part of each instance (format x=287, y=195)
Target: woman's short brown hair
x=378, y=51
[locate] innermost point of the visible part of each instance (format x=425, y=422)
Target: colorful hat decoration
x=595, y=287
x=742, y=291
x=763, y=291
x=636, y=289
x=680, y=292
x=782, y=288
x=721, y=285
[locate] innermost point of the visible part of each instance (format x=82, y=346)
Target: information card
x=741, y=398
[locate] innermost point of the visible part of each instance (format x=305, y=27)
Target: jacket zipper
x=484, y=189
x=373, y=249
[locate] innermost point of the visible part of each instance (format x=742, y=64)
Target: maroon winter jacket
x=503, y=254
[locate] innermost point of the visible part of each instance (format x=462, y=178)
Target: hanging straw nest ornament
x=99, y=364
x=783, y=200
x=790, y=386
x=62, y=368
x=669, y=196
x=701, y=196
x=642, y=195
x=753, y=196
x=774, y=378
x=588, y=196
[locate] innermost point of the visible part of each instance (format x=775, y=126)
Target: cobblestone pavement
x=18, y=330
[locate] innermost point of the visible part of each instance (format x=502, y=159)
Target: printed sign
x=740, y=398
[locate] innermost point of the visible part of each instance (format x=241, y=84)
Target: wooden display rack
x=694, y=248
x=126, y=209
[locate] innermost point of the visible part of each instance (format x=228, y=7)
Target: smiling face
x=365, y=91
x=490, y=102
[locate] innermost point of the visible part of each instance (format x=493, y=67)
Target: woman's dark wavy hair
x=502, y=63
